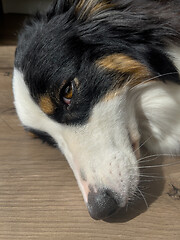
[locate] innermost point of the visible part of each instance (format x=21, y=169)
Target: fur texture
x=97, y=78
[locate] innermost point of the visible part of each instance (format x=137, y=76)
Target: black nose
x=102, y=204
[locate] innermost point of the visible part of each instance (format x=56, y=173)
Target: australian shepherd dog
x=96, y=79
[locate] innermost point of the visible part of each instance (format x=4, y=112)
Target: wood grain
x=40, y=199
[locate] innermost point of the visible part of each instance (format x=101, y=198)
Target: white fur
x=101, y=148
x=157, y=105
x=158, y=111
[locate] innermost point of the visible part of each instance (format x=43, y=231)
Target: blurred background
x=24, y=7
x=12, y=15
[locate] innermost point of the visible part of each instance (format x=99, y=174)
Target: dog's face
x=71, y=86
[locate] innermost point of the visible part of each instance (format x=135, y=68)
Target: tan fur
x=125, y=65
x=100, y=7
x=32, y=135
x=80, y=5
x=87, y=8
x=46, y=104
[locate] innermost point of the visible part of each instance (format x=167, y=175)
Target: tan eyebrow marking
x=46, y=104
x=125, y=65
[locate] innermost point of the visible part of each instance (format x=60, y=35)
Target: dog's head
x=74, y=69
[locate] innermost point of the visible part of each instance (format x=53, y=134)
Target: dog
x=97, y=79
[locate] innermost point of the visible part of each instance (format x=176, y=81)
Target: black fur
x=46, y=138
x=64, y=43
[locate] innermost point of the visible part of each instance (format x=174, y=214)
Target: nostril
x=101, y=204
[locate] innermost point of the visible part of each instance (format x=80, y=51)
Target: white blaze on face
x=100, y=149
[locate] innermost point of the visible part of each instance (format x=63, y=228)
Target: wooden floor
x=40, y=199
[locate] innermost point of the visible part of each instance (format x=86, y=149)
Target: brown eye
x=67, y=93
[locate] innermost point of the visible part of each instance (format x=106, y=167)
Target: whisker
x=162, y=75
x=146, y=181
x=152, y=78
x=143, y=197
x=143, y=144
x=151, y=176
x=128, y=81
x=149, y=160
x=136, y=195
x=144, y=187
x=160, y=165
x=156, y=155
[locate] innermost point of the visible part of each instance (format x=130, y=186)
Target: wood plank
x=40, y=199
x=6, y=59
